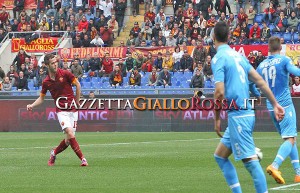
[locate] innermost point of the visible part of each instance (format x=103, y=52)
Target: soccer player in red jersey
x=59, y=82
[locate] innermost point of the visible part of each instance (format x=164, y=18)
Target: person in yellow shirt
x=168, y=61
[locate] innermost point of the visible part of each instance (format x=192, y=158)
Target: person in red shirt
x=107, y=65
x=254, y=34
x=83, y=24
x=269, y=13
x=151, y=15
x=212, y=21
x=4, y=15
x=242, y=17
x=59, y=82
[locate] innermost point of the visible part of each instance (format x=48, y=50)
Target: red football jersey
x=60, y=87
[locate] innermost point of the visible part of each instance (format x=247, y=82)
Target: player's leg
x=70, y=137
x=294, y=155
x=287, y=130
x=243, y=148
x=223, y=151
x=63, y=119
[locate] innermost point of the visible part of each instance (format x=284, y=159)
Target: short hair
x=274, y=44
x=221, y=32
x=48, y=57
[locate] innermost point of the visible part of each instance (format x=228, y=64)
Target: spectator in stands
x=13, y=75
x=242, y=17
x=197, y=80
x=212, y=50
x=295, y=90
x=116, y=78
x=91, y=95
x=114, y=26
x=175, y=31
x=251, y=57
x=232, y=22
x=281, y=23
x=161, y=38
x=4, y=15
x=177, y=55
x=257, y=4
x=199, y=66
x=22, y=83
x=293, y=22
x=86, y=42
x=45, y=24
x=86, y=63
x=222, y=17
x=211, y=22
x=83, y=24
x=97, y=41
x=120, y=14
x=20, y=58
x=242, y=40
x=156, y=29
x=107, y=66
x=168, y=61
x=2, y=74
x=265, y=33
x=205, y=6
x=180, y=39
x=31, y=72
x=89, y=15
x=288, y=9
x=44, y=67
x=200, y=52
x=52, y=23
x=140, y=61
x=6, y=84
x=130, y=40
x=259, y=58
x=139, y=39
x=269, y=12
x=41, y=77
x=158, y=62
x=66, y=66
x=24, y=70
x=135, y=78
x=297, y=10
x=251, y=14
x=79, y=15
x=254, y=35
x=18, y=7
x=207, y=70
x=107, y=8
x=130, y=62
x=151, y=15
x=164, y=78
x=76, y=70
x=106, y=35
x=122, y=66
x=147, y=32
x=221, y=5
x=153, y=77
x=94, y=65
x=77, y=43
x=240, y=4
x=72, y=23
x=101, y=23
x=186, y=62
x=171, y=41
x=245, y=29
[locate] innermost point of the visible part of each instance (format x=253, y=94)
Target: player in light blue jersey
x=275, y=70
x=233, y=73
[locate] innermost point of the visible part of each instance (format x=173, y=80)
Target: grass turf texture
x=126, y=163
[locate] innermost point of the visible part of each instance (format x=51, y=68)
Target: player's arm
x=291, y=68
x=260, y=82
x=255, y=92
x=36, y=103
x=219, y=95
x=78, y=89
x=219, y=74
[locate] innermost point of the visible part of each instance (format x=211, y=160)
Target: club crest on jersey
x=61, y=79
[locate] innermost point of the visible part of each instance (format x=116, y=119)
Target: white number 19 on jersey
x=270, y=74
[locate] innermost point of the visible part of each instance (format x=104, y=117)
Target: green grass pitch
x=127, y=163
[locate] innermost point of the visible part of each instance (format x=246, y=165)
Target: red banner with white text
x=29, y=4
x=38, y=45
x=120, y=52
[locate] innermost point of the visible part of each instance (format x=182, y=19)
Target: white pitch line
x=114, y=144
x=284, y=187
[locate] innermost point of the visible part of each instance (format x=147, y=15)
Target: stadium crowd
x=91, y=23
